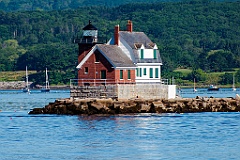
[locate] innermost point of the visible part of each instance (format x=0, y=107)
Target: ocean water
x=199, y=136
x=203, y=92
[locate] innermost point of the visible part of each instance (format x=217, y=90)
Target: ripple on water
x=137, y=136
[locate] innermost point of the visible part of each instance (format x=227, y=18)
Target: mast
x=194, y=86
x=26, y=78
x=233, y=85
x=46, y=88
x=47, y=83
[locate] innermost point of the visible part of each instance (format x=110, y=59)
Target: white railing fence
x=97, y=82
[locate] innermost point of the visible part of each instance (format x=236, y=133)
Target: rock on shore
x=13, y=85
x=71, y=106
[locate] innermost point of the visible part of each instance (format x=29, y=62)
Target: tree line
x=46, y=5
x=196, y=34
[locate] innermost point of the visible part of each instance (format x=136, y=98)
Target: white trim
x=126, y=67
x=110, y=41
x=79, y=66
x=127, y=50
x=146, y=78
x=171, y=91
x=149, y=64
x=155, y=46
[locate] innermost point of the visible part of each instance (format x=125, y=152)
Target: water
x=199, y=136
x=203, y=92
x=16, y=100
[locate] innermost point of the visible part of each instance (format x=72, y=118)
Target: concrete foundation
x=125, y=91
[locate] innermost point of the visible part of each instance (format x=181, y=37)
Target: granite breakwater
x=70, y=106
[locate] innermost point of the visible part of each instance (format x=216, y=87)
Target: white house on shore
x=142, y=52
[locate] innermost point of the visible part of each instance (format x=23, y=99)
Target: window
x=155, y=54
x=103, y=74
x=150, y=73
x=129, y=74
x=86, y=84
x=145, y=71
x=121, y=74
x=137, y=72
x=156, y=73
x=142, y=55
x=97, y=58
x=86, y=70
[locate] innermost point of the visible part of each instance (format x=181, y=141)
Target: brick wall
x=95, y=68
x=83, y=49
x=95, y=64
x=125, y=76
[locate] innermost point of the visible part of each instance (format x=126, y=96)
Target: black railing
x=99, y=40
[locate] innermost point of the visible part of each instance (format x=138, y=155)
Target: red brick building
x=128, y=65
x=100, y=63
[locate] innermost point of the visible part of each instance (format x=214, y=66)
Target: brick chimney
x=129, y=26
x=116, y=35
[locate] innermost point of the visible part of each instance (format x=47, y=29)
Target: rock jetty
x=13, y=85
x=70, y=106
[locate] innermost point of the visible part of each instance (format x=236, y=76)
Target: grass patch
x=14, y=76
x=184, y=72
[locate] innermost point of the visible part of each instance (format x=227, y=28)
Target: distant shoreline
x=35, y=89
x=19, y=85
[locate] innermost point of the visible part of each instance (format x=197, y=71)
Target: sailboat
x=194, y=86
x=46, y=88
x=233, y=85
x=26, y=89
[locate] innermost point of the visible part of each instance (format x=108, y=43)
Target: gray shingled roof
x=115, y=55
x=135, y=38
x=146, y=60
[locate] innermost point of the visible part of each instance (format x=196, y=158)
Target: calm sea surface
x=199, y=136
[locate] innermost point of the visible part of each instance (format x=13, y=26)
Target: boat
x=194, y=86
x=26, y=89
x=233, y=85
x=46, y=88
x=213, y=88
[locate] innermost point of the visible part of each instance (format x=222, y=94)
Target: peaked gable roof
x=147, y=60
x=113, y=54
x=136, y=39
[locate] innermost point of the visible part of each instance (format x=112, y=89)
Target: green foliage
x=9, y=53
x=227, y=78
x=27, y=5
x=237, y=76
x=221, y=61
x=190, y=34
x=60, y=59
x=198, y=75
